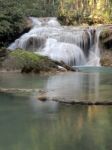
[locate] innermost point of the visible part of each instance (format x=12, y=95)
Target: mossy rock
x=28, y=62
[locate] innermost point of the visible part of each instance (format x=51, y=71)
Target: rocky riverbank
x=27, y=62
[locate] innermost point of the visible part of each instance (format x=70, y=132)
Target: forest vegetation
x=70, y=12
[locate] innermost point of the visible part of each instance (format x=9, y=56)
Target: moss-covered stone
x=27, y=62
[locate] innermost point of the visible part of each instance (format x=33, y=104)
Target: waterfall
x=69, y=53
x=72, y=45
x=94, y=53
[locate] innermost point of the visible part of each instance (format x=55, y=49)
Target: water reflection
x=28, y=124
x=51, y=128
x=25, y=81
x=80, y=87
x=39, y=105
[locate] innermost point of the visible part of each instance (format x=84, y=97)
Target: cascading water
x=69, y=53
x=72, y=45
x=94, y=53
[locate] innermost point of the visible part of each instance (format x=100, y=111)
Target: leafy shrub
x=11, y=21
x=13, y=13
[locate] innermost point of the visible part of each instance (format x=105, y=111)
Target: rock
x=26, y=69
x=16, y=90
x=106, y=37
x=29, y=62
x=67, y=67
x=42, y=95
x=42, y=98
x=29, y=23
x=106, y=43
x=62, y=69
x=73, y=102
x=106, y=59
x=3, y=52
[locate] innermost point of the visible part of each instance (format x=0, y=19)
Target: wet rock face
x=106, y=43
x=3, y=52
x=3, y=55
x=106, y=37
x=106, y=59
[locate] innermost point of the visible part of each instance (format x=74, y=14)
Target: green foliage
x=85, y=11
x=13, y=13
x=11, y=21
x=69, y=12
x=25, y=58
x=40, y=8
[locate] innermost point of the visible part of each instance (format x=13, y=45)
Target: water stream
x=72, y=45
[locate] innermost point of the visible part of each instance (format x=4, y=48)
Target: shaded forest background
x=13, y=14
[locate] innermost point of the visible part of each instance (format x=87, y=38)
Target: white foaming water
x=35, y=21
x=94, y=53
x=53, y=22
x=69, y=53
x=74, y=46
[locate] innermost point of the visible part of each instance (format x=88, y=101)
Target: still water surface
x=28, y=124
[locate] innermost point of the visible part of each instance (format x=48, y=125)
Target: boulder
x=106, y=59
x=42, y=96
x=106, y=37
